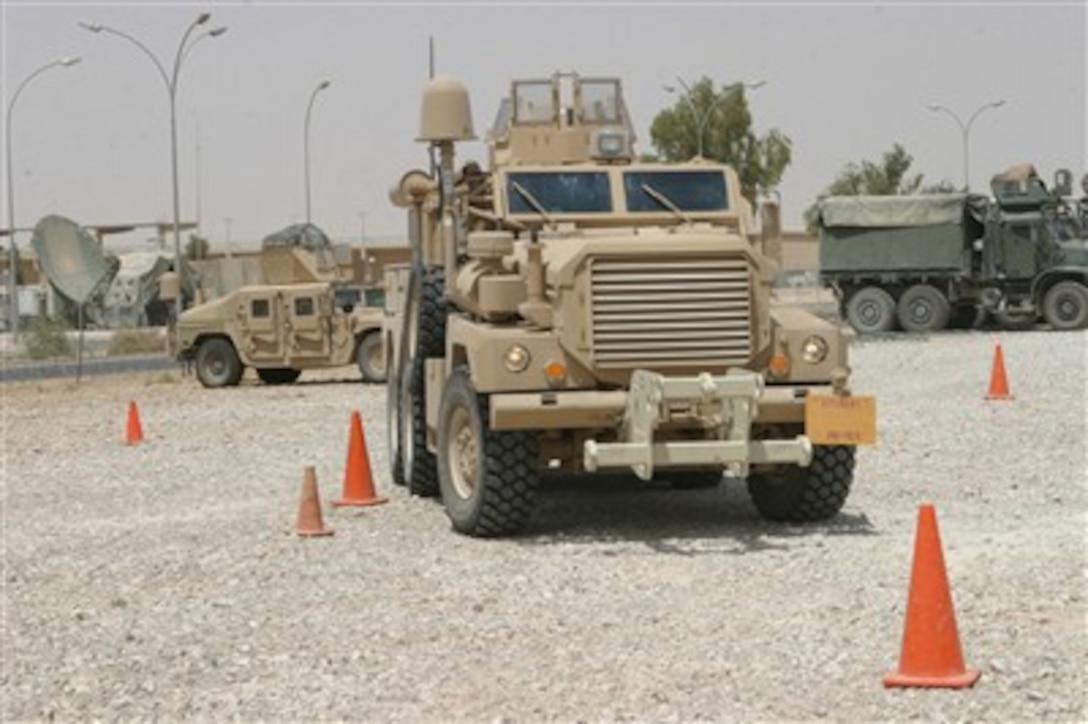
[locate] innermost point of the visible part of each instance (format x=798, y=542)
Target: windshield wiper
x=666, y=203
x=533, y=202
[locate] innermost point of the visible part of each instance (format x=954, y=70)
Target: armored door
x=260, y=317
x=308, y=313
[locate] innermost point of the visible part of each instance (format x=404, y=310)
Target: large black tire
x=425, y=333
x=802, y=495
x=278, y=375
x=369, y=357
x=1065, y=305
x=923, y=308
x=871, y=310
x=217, y=364
x=489, y=479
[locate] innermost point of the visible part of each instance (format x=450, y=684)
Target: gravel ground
x=163, y=581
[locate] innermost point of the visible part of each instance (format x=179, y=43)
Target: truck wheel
x=871, y=310
x=278, y=375
x=369, y=357
x=801, y=495
x=217, y=364
x=425, y=336
x=923, y=308
x=1066, y=306
x=489, y=479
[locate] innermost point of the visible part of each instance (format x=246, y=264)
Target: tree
x=197, y=247
x=889, y=177
x=726, y=124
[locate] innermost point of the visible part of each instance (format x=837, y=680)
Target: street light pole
x=13, y=254
x=965, y=131
x=306, y=142
x=170, y=80
x=701, y=117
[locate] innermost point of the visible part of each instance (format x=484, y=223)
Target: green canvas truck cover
x=890, y=234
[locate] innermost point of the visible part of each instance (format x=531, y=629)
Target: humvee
x=573, y=310
x=304, y=316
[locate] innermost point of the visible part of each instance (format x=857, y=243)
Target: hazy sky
x=843, y=80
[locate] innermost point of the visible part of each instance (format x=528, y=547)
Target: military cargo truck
x=572, y=310
x=304, y=316
x=923, y=263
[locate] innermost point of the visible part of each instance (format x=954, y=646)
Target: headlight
x=516, y=359
x=814, y=350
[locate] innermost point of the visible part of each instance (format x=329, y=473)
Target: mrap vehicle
x=572, y=310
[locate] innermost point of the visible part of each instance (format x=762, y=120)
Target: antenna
x=430, y=55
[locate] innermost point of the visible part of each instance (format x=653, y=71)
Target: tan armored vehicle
x=573, y=310
x=305, y=316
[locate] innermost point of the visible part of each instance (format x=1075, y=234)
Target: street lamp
x=13, y=254
x=306, y=142
x=170, y=80
x=965, y=129
x=701, y=117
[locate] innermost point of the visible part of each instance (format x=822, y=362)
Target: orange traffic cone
x=134, y=432
x=931, y=655
x=309, y=523
x=999, y=386
x=358, y=480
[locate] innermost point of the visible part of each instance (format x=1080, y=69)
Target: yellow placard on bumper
x=833, y=420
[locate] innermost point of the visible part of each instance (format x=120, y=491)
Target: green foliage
x=197, y=247
x=47, y=338
x=889, y=177
x=130, y=341
x=726, y=124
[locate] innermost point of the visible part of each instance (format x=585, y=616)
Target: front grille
x=675, y=313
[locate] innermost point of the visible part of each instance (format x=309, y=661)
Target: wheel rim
x=870, y=313
x=463, y=455
x=1067, y=307
x=921, y=311
x=216, y=366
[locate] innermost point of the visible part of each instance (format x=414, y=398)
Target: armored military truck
x=923, y=263
x=572, y=310
x=304, y=316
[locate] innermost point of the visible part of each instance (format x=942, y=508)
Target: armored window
x=259, y=309
x=600, y=101
x=304, y=306
x=375, y=297
x=560, y=192
x=533, y=102
x=687, y=190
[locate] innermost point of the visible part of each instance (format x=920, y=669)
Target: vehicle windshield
x=688, y=190
x=559, y=192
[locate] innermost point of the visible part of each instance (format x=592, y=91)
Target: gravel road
x=164, y=581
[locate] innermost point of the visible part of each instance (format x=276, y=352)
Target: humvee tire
x=427, y=294
x=870, y=310
x=802, y=495
x=923, y=308
x=488, y=479
x=217, y=363
x=393, y=424
x=278, y=375
x=368, y=356
x=1066, y=306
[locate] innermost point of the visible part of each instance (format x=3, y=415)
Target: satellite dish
x=72, y=259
